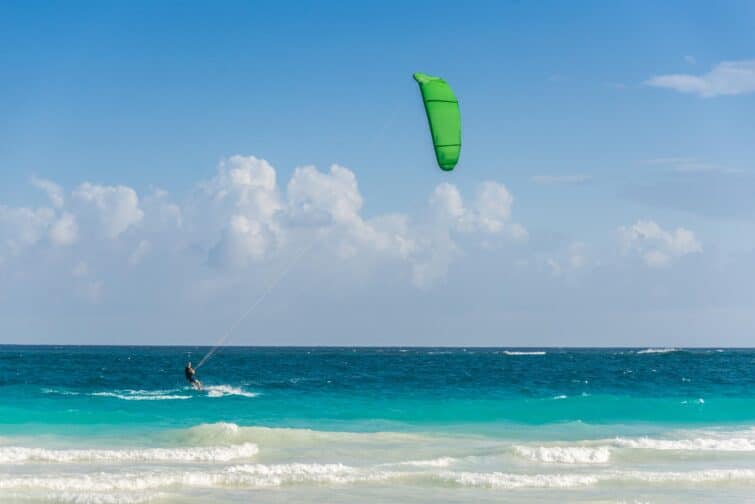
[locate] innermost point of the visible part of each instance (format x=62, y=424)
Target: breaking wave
x=142, y=395
x=227, y=390
x=14, y=455
x=657, y=350
x=697, y=444
x=565, y=454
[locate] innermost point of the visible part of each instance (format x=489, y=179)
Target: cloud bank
x=242, y=218
x=111, y=263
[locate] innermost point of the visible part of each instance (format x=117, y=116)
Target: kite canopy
x=444, y=118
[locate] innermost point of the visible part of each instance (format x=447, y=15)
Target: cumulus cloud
x=165, y=212
x=54, y=191
x=658, y=247
x=117, y=207
x=242, y=217
x=259, y=219
x=65, y=230
x=489, y=212
x=561, y=179
x=22, y=227
x=726, y=78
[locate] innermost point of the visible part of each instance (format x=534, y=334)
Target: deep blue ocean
x=121, y=424
x=372, y=388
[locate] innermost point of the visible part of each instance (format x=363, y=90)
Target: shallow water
x=119, y=424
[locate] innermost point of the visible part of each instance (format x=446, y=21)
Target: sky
x=164, y=166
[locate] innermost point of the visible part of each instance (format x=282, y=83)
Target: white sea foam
x=239, y=476
x=509, y=481
x=508, y=352
x=704, y=476
x=437, y=462
x=227, y=390
x=657, y=350
x=59, y=391
x=696, y=444
x=227, y=433
x=565, y=454
x=90, y=498
x=142, y=395
x=119, y=486
x=14, y=455
x=545, y=481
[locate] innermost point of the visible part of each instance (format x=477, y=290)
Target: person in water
x=190, y=373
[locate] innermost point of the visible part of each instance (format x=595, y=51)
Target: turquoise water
x=385, y=423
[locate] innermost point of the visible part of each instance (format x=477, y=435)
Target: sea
x=88, y=424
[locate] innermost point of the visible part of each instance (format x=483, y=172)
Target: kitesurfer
x=190, y=373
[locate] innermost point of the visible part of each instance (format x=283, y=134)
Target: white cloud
x=726, y=78
x=244, y=240
x=64, y=231
x=493, y=206
x=241, y=218
x=657, y=247
x=570, y=259
x=248, y=184
x=447, y=203
x=167, y=213
x=54, y=191
x=140, y=252
x=117, y=206
x=489, y=212
x=258, y=222
x=561, y=179
x=247, y=201
x=22, y=227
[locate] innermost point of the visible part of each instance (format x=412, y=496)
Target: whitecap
x=17, y=454
x=657, y=350
x=736, y=444
x=437, y=462
x=508, y=352
x=565, y=454
x=510, y=481
x=239, y=476
x=227, y=390
x=142, y=395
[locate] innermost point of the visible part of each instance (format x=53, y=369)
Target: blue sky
x=606, y=174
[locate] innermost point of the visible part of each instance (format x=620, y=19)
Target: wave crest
x=565, y=454
x=15, y=455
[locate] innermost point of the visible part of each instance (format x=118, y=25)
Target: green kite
x=444, y=118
